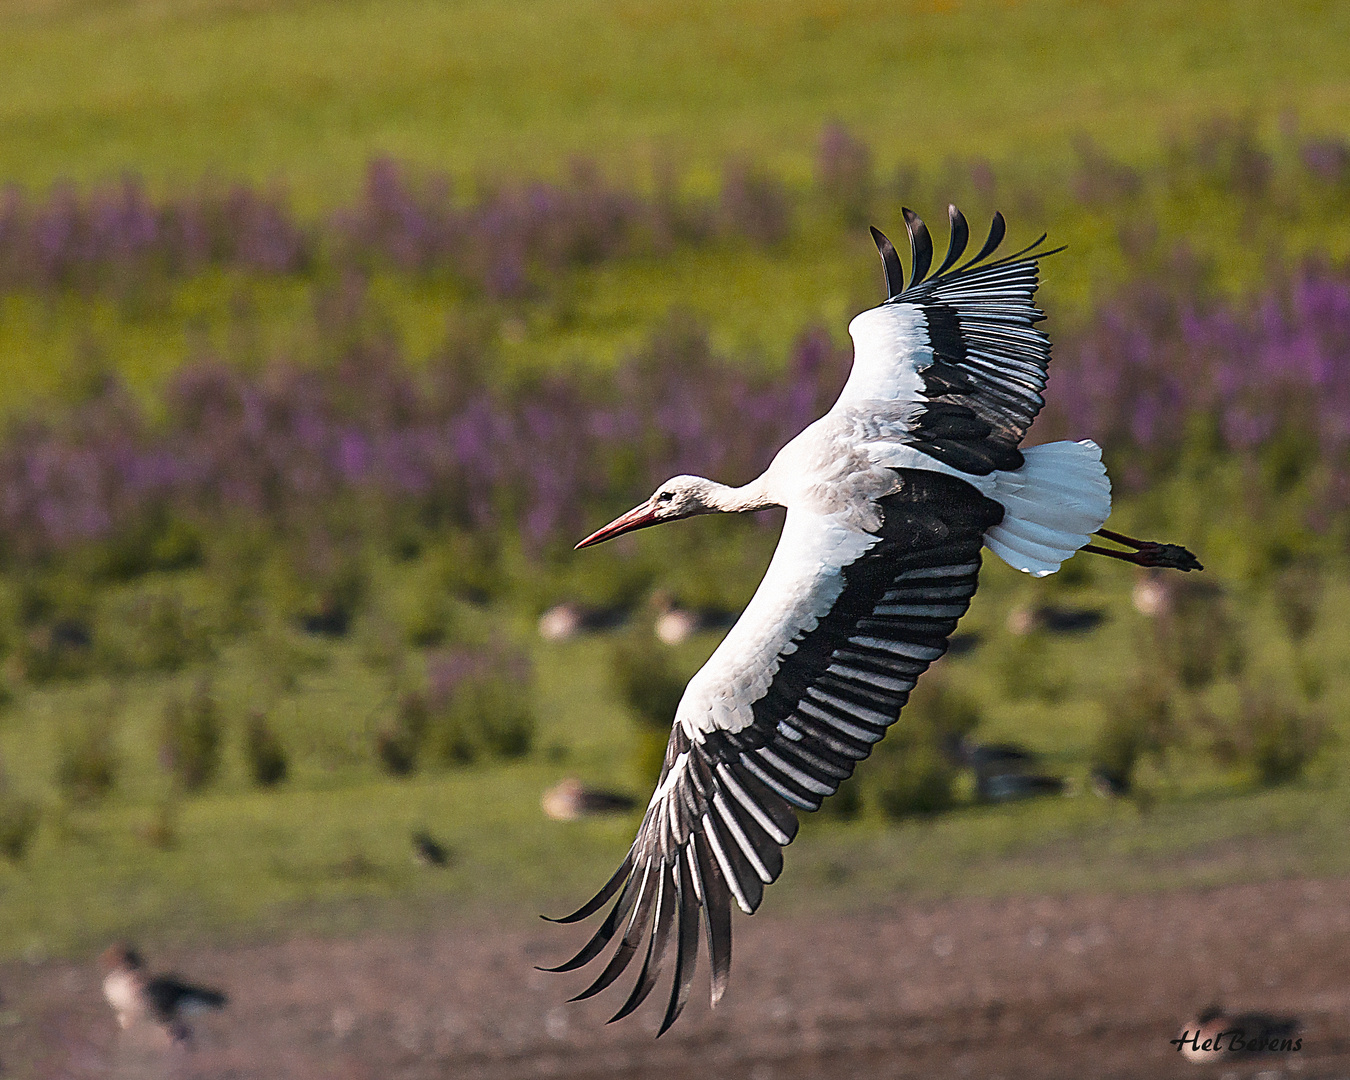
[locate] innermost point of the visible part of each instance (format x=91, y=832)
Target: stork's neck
x=729, y=500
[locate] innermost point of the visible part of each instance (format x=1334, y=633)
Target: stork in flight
x=890, y=496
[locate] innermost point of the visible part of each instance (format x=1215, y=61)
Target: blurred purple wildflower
x=286, y=443
x=1152, y=365
x=844, y=173
x=1327, y=159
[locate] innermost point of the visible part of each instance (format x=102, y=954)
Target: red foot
x=1147, y=552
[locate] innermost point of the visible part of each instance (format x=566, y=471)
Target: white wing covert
x=956, y=356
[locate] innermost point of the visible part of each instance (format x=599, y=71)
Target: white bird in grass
x=889, y=498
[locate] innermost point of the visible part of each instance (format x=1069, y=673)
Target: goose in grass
x=890, y=497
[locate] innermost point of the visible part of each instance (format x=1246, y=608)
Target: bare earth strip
x=1024, y=987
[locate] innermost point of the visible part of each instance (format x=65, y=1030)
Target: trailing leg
x=1146, y=552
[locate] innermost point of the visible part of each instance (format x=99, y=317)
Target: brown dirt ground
x=1077, y=986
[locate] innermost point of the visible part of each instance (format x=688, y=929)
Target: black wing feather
x=983, y=387
x=958, y=238
x=726, y=809
x=596, y=902
x=656, y=946
x=628, y=944
x=608, y=928
x=997, y=230
x=717, y=903
x=920, y=246
x=686, y=954
x=890, y=263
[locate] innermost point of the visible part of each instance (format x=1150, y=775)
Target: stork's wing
x=779, y=718
x=955, y=357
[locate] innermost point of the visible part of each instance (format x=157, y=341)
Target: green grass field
x=303, y=95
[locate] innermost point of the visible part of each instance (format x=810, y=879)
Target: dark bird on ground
x=965, y=752
x=1219, y=1036
x=571, y=800
x=428, y=851
x=1000, y=769
x=164, y=1001
x=890, y=498
x=961, y=644
x=567, y=620
x=1054, y=619
x=1010, y=786
x=676, y=625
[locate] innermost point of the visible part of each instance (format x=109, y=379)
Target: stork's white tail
x=1054, y=503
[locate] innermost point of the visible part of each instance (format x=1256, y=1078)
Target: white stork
x=889, y=498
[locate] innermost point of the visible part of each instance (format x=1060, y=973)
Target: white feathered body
x=125, y=992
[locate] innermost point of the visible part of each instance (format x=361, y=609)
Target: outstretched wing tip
x=670, y=894
x=921, y=250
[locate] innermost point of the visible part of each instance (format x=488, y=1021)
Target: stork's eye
x=665, y=496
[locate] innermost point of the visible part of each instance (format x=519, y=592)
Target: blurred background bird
x=1233, y=1038
x=571, y=800
x=139, y=998
x=428, y=851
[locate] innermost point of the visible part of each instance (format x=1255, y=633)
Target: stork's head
x=679, y=497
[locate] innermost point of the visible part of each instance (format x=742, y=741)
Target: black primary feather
x=717, y=901
x=920, y=246
x=608, y=928
x=686, y=956
x=656, y=945
x=628, y=945
x=956, y=242
x=890, y=261
x=596, y=902
x=997, y=228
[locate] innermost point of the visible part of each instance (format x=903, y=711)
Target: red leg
x=1147, y=552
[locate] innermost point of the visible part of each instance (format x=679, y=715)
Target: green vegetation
x=305, y=93
x=303, y=96
x=329, y=847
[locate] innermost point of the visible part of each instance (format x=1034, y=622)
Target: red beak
x=637, y=518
